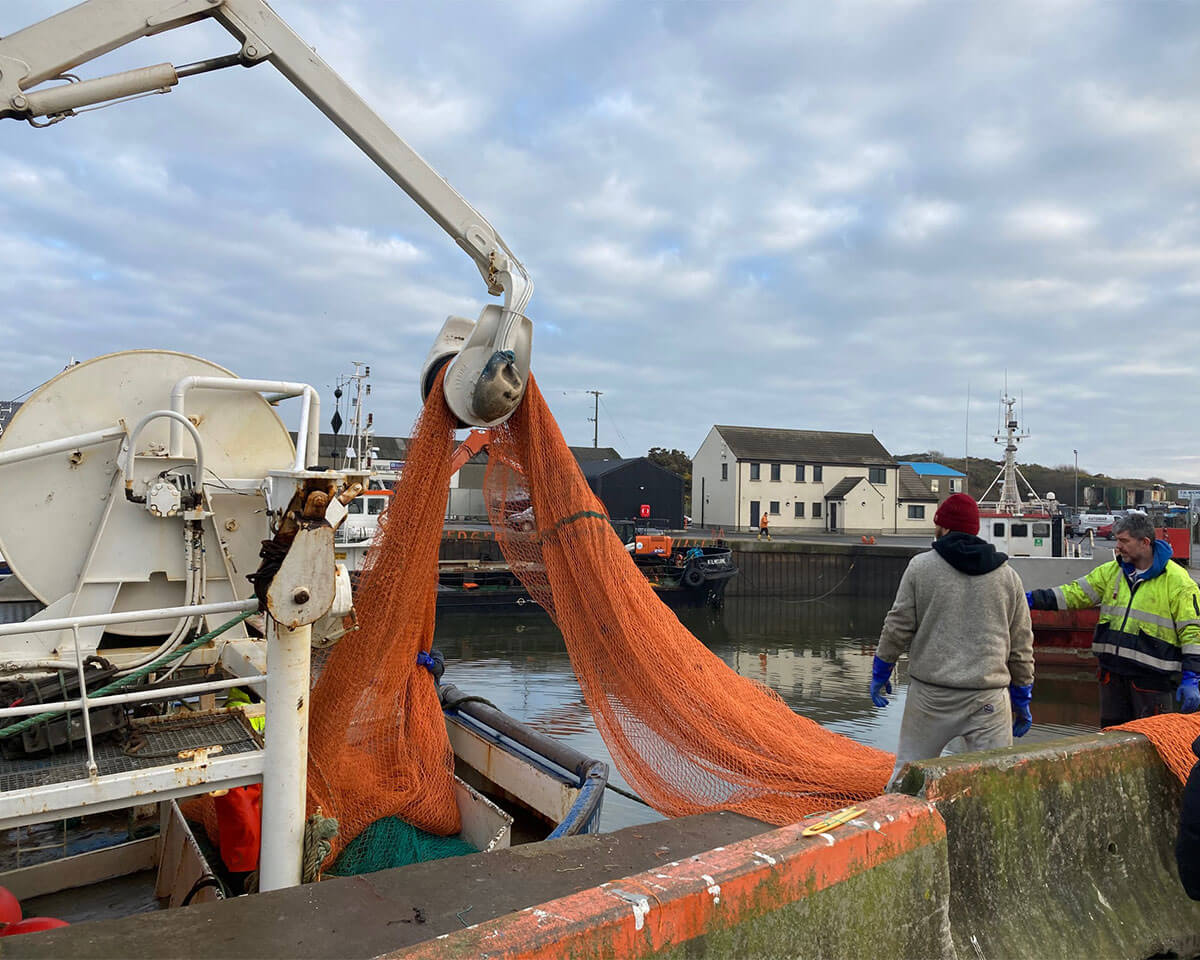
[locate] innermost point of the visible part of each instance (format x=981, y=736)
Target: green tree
x=678, y=463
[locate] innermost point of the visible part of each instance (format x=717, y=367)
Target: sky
x=815, y=216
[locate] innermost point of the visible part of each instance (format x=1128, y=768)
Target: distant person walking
x=762, y=527
x=1148, y=636
x=960, y=615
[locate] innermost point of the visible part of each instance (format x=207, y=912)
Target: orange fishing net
x=377, y=743
x=1172, y=735
x=686, y=731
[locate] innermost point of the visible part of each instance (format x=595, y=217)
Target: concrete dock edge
x=878, y=886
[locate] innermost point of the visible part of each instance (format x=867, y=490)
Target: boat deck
x=171, y=757
x=151, y=743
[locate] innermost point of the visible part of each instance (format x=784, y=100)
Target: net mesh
x=685, y=730
x=1172, y=735
x=377, y=744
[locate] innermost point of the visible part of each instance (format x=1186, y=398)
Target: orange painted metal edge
x=641, y=914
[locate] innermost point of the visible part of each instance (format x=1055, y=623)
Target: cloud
x=730, y=212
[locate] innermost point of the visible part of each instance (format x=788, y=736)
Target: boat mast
x=357, y=455
x=1010, y=493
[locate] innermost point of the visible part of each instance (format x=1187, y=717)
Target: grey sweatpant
x=933, y=716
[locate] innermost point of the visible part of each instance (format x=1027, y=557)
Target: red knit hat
x=958, y=512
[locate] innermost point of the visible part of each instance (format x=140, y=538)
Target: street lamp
x=1076, y=452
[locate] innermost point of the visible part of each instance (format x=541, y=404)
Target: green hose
x=22, y=725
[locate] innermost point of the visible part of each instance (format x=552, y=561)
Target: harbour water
x=816, y=655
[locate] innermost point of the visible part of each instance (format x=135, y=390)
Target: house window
x=755, y=469
x=799, y=473
x=817, y=507
x=916, y=513
x=724, y=471
x=1041, y=529
x=799, y=510
x=877, y=475
x=1020, y=529
x=997, y=529
x=774, y=508
x=775, y=468
x=955, y=485
x=817, y=476
x=933, y=484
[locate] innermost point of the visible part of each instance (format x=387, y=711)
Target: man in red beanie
x=961, y=616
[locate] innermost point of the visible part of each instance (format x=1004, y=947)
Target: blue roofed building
x=940, y=479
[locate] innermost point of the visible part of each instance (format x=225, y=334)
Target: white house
x=804, y=480
x=915, y=503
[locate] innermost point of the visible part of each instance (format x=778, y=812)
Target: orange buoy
x=10, y=907
x=32, y=925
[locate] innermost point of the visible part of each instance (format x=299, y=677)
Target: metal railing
x=85, y=703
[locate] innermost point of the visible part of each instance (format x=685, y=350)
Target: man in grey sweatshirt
x=961, y=615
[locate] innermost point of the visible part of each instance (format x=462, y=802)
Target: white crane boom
x=490, y=367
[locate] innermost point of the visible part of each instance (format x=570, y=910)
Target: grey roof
x=912, y=487
x=599, y=468
x=332, y=447
x=844, y=487
x=594, y=453
x=806, y=446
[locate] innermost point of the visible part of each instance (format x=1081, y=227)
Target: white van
x=1093, y=521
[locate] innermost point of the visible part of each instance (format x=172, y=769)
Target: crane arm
x=46, y=50
x=474, y=441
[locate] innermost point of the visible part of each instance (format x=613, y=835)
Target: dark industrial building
x=623, y=486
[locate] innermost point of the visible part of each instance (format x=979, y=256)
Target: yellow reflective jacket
x=1149, y=624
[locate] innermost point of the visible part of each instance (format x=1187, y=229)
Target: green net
x=390, y=842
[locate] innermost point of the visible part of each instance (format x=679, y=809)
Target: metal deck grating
x=162, y=740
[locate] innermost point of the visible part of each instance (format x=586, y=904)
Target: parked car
x=1105, y=532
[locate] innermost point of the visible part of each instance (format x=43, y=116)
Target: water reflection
x=817, y=656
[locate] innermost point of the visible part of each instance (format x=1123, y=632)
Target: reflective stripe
x=1083, y=584
x=1180, y=624
x=1141, y=616
x=1061, y=599
x=1152, y=618
x=1139, y=656
x=1191, y=649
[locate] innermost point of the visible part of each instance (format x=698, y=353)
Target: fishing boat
x=117, y=695
x=682, y=577
x=1019, y=527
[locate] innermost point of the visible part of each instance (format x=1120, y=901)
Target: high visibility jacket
x=1149, y=624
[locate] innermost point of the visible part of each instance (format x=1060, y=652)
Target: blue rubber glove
x=881, y=682
x=1188, y=693
x=1029, y=598
x=1022, y=717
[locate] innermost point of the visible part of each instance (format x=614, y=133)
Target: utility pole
x=595, y=418
x=967, y=443
x=1076, y=452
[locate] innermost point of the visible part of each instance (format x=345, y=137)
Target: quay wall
x=778, y=568
x=778, y=894
x=1063, y=849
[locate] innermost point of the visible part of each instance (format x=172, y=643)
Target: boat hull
x=1064, y=637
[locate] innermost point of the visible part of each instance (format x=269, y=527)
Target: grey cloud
x=822, y=217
